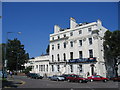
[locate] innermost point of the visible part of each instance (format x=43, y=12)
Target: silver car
x=57, y=78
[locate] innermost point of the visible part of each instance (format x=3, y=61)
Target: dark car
x=97, y=78
x=36, y=76
x=116, y=79
x=29, y=74
x=76, y=78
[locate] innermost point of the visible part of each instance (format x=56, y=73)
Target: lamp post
x=6, y=45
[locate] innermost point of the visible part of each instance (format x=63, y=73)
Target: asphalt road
x=45, y=83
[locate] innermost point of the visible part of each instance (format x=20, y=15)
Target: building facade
x=75, y=50
x=78, y=49
x=39, y=65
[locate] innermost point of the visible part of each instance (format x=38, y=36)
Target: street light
x=5, y=56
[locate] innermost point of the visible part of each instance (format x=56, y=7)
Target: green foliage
x=27, y=70
x=16, y=55
x=111, y=47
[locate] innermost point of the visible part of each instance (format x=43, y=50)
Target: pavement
x=10, y=82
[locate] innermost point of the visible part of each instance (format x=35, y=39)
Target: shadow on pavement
x=10, y=84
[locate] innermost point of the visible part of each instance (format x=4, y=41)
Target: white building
x=39, y=65
x=77, y=50
x=80, y=42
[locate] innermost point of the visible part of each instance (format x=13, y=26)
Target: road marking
x=23, y=82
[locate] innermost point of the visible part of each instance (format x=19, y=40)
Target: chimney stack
x=72, y=22
x=56, y=29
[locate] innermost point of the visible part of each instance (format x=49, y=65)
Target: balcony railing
x=59, y=39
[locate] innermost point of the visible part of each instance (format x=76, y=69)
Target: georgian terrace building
x=75, y=50
x=78, y=49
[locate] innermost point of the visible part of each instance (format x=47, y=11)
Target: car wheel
x=113, y=80
x=68, y=80
x=80, y=81
x=91, y=80
x=57, y=79
x=105, y=80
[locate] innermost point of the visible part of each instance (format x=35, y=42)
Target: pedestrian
x=88, y=74
x=11, y=74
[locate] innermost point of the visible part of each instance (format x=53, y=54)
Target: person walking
x=11, y=74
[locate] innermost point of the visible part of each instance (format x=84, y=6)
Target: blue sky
x=36, y=20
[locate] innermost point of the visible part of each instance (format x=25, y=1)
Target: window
x=80, y=42
x=58, y=57
x=64, y=44
x=58, y=68
x=64, y=35
x=36, y=66
x=52, y=68
x=39, y=67
x=32, y=67
x=52, y=58
x=91, y=53
x=52, y=38
x=64, y=55
x=43, y=67
x=90, y=41
x=71, y=68
x=80, y=68
x=89, y=29
x=71, y=55
x=47, y=68
x=58, y=46
x=80, y=54
x=80, y=31
x=52, y=47
x=71, y=43
x=58, y=37
x=71, y=33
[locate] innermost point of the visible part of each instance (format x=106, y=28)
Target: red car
x=76, y=78
x=97, y=78
x=116, y=79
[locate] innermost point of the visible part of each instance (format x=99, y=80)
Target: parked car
x=3, y=74
x=34, y=75
x=97, y=78
x=57, y=78
x=76, y=78
x=116, y=79
x=29, y=74
x=65, y=76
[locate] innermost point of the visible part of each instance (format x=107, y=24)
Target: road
x=45, y=83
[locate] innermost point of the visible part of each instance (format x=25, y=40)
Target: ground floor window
x=71, y=68
x=80, y=68
x=52, y=68
x=58, y=66
x=47, y=68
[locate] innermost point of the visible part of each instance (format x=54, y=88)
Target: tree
x=112, y=51
x=16, y=55
x=27, y=70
